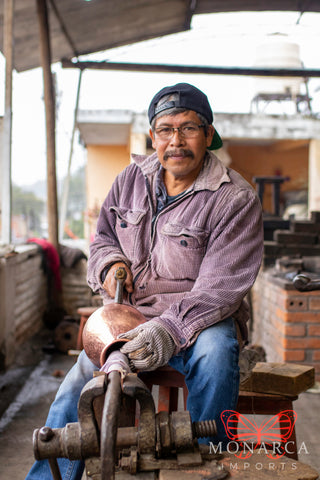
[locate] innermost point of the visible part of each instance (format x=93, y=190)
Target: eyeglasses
x=191, y=130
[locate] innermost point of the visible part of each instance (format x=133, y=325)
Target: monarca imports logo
x=272, y=436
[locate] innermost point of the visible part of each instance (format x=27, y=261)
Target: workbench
x=228, y=466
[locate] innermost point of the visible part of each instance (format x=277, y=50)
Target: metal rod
x=54, y=467
x=127, y=436
x=120, y=276
x=146, y=67
x=109, y=425
x=5, y=164
x=66, y=183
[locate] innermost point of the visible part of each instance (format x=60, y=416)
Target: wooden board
x=257, y=467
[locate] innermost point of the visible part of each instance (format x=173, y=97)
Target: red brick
x=293, y=355
x=314, y=303
x=281, y=301
x=306, y=342
x=316, y=355
x=316, y=366
x=278, y=325
x=295, y=304
x=314, y=293
x=314, y=330
x=279, y=330
x=295, y=330
x=294, y=317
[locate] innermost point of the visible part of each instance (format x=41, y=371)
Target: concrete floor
x=28, y=388
x=26, y=393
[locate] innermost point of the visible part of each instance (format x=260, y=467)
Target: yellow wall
x=104, y=163
x=286, y=158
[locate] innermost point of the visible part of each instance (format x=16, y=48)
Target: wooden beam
x=49, y=100
x=6, y=200
x=148, y=67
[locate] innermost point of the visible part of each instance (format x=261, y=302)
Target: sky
x=228, y=39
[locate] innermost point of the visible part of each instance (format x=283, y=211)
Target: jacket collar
x=211, y=177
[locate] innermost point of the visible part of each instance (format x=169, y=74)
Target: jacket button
x=184, y=243
x=182, y=341
x=123, y=225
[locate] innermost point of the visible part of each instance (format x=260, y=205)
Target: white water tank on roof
x=278, y=52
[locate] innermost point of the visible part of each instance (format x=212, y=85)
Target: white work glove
x=150, y=346
x=116, y=361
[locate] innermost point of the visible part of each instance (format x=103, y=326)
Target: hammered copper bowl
x=103, y=327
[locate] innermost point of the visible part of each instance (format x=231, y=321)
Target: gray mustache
x=183, y=153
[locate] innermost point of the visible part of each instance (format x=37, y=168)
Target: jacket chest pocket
x=181, y=251
x=130, y=228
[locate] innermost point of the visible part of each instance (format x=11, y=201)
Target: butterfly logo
x=277, y=430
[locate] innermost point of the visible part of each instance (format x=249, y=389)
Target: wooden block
x=287, y=237
x=279, y=378
x=304, y=226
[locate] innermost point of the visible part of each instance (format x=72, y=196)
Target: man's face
x=181, y=157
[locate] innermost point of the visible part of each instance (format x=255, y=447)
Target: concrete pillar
x=138, y=143
x=314, y=176
x=138, y=134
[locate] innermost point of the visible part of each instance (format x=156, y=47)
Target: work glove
x=116, y=361
x=110, y=283
x=150, y=346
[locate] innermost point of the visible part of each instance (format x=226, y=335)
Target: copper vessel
x=105, y=324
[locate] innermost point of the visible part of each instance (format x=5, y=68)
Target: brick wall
x=286, y=321
x=76, y=292
x=23, y=299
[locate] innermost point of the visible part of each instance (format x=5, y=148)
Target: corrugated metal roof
x=80, y=27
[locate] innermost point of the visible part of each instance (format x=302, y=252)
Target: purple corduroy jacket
x=192, y=263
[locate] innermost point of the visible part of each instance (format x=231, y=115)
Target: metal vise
x=110, y=441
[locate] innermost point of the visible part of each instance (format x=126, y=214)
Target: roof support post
x=49, y=100
x=6, y=191
x=66, y=183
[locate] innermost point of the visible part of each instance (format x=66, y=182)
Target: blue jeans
x=211, y=372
